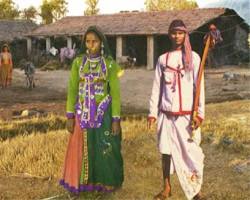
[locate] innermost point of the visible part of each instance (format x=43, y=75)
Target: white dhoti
x=186, y=157
x=173, y=94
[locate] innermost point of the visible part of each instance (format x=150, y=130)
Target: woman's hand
x=70, y=124
x=116, y=127
x=151, y=121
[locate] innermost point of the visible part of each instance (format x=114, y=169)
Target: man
x=214, y=51
x=171, y=105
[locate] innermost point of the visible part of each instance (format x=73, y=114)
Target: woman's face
x=5, y=49
x=93, y=43
x=177, y=37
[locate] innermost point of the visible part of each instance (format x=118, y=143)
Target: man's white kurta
x=171, y=103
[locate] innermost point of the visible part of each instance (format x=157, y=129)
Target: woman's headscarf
x=101, y=36
x=186, y=49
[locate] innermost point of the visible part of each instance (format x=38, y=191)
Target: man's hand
x=70, y=124
x=196, y=123
x=116, y=127
x=151, y=121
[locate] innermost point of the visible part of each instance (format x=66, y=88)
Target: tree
x=52, y=10
x=60, y=8
x=8, y=10
x=46, y=12
x=158, y=5
x=29, y=13
x=92, y=7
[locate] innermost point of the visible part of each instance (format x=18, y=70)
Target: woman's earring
x=87, y=51
x=102, y=49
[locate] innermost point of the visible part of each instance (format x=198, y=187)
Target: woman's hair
x=96, y=30
x=5, y=46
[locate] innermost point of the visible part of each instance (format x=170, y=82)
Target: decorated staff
x=211, y=39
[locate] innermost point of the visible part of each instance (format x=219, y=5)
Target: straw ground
x=32, y=153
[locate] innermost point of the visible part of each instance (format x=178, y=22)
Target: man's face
x=93, y=43
x=212, y=27
x=177, y=37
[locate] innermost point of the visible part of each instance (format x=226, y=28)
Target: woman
x=93, y=159
x=171, y=104
x=5, y=67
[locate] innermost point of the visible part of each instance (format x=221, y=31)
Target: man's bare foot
x=163, y=194
x=199, y=196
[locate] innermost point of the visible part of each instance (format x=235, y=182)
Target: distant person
x=6, y=66
x=171, y=105
x=93, y=160
x=214, y=55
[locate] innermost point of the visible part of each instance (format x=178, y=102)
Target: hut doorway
x=136, y=45
x=162, y=44
x=112, y=45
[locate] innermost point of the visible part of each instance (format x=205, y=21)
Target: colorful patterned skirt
x=93, y=160
x=5, y=75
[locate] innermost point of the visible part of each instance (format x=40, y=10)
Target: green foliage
x=159, y=5
x=52, y=10
x=60, y=8
x=8, y=10
x=29, y=13
x=92, y=7
x=46, y=12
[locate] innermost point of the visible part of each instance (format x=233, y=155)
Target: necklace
x=93, y=65
x=93, y=62
x=94, y=59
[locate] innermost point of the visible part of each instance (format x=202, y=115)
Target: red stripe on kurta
x=177, y=113
x=179, y=87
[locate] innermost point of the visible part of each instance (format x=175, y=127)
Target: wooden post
x=48, y=44
x=150, y=52
x=118, y=47
x=29, y=46
x=69, y=42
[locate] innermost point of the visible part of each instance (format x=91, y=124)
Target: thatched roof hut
x=15, y=29
x=13, y=32
x=146, y=31
x=129, y=23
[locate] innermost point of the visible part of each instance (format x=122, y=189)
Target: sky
x=76, y=7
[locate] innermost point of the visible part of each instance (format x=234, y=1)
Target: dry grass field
x=32, y=152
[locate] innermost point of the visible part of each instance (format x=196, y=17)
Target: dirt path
x=51, y=86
